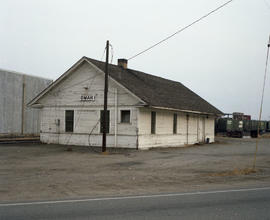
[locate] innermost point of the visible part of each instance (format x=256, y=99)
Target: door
x=201, y=129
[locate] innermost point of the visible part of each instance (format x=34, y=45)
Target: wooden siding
x=187, y=129
x=137, y=133
x=69, y=91
x=66, y=96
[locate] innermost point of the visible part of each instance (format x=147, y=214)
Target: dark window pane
x=125, y=116
x=153, y=122
x=174, y=123
x=69, y=120
x=107, y=121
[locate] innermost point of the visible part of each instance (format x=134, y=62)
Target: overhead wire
x=181, y=30
x=147, y=49
x=103, y=54
x=89, y=136
x=111, y=53
x=76, y=84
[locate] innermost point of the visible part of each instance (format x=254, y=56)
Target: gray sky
x=221, y=58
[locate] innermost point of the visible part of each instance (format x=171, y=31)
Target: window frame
x=121, y=118
x=108, y=121
x=175, y=116
x=68, y=128
x=153, y=122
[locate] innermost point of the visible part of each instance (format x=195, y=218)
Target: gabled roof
x=158, y=92
x=154, y=91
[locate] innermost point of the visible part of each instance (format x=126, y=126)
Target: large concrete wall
x=16, y=90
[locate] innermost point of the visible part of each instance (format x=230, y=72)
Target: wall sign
x=88, y=98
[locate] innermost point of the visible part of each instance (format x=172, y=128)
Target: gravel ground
x=42, y=172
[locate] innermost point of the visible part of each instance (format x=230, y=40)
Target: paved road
x=228, y=204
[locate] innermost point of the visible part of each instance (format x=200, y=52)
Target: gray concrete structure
x=16, y=90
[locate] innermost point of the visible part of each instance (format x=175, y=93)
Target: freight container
x=230, y=127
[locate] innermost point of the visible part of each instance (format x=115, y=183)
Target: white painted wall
x=69, y=91
x=86, y=121
x=187, y=129
x=137, y=133
x=66, y=96
x=210, y=129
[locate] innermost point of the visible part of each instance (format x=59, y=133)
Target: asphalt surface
x=228, y=204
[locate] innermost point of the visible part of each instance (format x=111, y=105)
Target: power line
x=112, y=52
x=182, y=29
x=103, y=54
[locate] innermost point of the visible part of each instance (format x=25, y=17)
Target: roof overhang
x=185, y=111
x=55, y=83
x=34, y=102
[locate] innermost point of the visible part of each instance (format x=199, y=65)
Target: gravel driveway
x=41, y=172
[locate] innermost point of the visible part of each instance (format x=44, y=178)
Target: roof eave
x=53, y=84
x=186, y=111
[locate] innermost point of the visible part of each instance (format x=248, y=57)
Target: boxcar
x=230, y=127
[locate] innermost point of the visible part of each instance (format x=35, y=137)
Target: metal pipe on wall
x=115, y=117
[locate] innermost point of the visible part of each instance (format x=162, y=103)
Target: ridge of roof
x=158, y=91
x=155, y=91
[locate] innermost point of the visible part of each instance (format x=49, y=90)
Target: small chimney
x=123, y=63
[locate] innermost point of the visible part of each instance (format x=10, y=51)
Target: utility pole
x=261, y=107
x=105, y=100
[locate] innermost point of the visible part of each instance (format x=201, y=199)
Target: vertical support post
x=198, y=119
x=115, y=117
x=23, y=104
x=187, y=127
x=105, y=99
x=204, y=129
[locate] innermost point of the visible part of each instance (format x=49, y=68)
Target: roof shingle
x=157, y=91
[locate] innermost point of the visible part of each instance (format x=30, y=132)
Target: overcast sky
x=221, y=58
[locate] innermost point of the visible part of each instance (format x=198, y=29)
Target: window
x=107, y=121
x=125, y=116
x=174, y=123
x=69, y=120
x=153, y=122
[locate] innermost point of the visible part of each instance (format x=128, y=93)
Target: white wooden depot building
x=144, y=111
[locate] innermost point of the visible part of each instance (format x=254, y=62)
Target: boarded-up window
x=69, y=120
x=107, y=121
x=174, y=123
x=153, y=122
x=125, y=116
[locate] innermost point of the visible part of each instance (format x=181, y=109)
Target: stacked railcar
x=238, y=128
x=268, y=126
x=230, y=127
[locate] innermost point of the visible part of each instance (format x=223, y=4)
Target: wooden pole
x=105, y=99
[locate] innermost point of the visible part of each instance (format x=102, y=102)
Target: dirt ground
x=42, y=172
